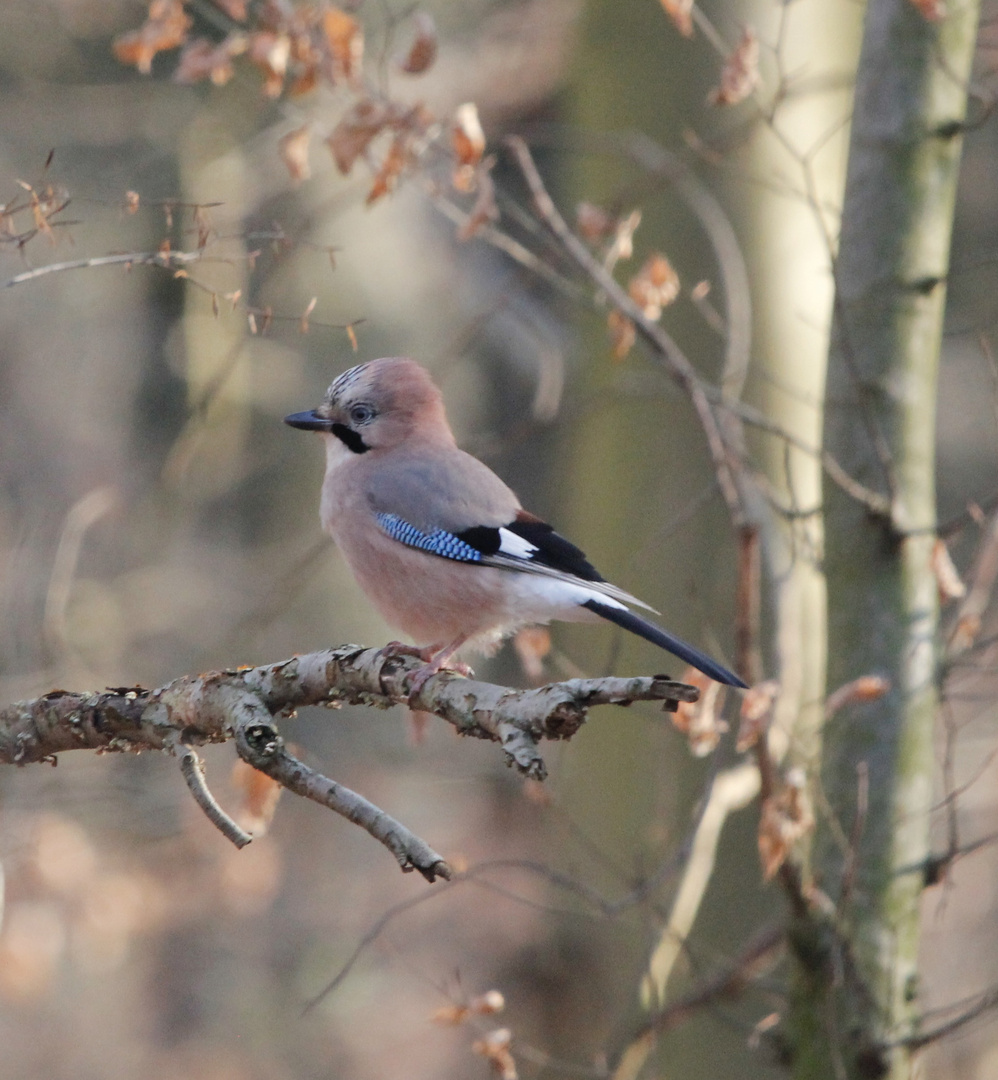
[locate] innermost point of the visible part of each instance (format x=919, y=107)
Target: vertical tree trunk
x=854, y=999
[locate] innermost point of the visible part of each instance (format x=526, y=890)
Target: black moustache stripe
x=350, y=439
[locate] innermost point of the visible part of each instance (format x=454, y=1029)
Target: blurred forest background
x=157, y=518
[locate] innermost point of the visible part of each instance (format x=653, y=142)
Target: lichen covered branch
x=244, y=704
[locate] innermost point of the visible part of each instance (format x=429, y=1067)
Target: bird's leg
x=438, y=659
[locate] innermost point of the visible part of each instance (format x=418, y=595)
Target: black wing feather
x=553, y=551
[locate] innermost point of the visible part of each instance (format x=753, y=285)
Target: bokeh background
x=157, y=518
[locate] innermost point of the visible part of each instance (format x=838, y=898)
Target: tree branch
x=242, y=705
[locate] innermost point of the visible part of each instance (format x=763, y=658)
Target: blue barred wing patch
x=439, y=542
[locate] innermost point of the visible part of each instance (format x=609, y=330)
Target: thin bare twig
x=192, y=768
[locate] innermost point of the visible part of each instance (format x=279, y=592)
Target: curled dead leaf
x=165, y=28
x=468, y=144
x=492, y=1001
x=495, y=1048
x=786, y=817
x=681, y=13
x=486, y=209
x=235, y=9
x=270, y=52
x=293, y=149
x=740, y=74
x=345, y=39
x=948, y=580
x=201, y=59
x=450, y=1014
x=593, y=223
x=622, y=334
x=699, y=720
x=355, y=132
x=260, y=795
x=623, y=239
x=391, y=169
x=931, y=10
x=654, y=286
x=865, y=688
x=423, y=50
x=756, y=712
x=532, y=645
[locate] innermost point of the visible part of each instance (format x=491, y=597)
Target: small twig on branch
x=170, y=260
x=242, y=705
x=192, y=768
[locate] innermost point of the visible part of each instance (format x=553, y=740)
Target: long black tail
x=664, y=640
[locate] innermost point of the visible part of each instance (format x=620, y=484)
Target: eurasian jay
x=436, y=540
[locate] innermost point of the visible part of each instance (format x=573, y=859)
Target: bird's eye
x=361, y=414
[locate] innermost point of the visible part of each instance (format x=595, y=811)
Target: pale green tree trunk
x=857, y=993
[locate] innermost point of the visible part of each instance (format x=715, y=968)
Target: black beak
x=309, y=421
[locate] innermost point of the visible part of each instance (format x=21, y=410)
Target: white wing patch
x=516, y=546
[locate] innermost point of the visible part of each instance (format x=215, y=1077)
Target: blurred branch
x=242, y=705
x=670, y=353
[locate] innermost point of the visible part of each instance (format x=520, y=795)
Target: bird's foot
x=399, y=648
x=424, y=674
x=440, y=659
x=436, y=659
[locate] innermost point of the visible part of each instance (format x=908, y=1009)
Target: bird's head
x=379, y=405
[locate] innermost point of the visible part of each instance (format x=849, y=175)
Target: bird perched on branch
x=436, y=540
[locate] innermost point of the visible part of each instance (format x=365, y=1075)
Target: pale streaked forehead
x=342, y=383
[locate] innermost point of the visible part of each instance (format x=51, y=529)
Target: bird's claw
x=422, y=675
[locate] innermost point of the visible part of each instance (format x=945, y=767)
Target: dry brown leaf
x=32, y=943
x=740, y=74
x=699, y=720
x=355, y=132
x=681, y=13
x=492, y=1001
x=785, y=818
x=755, y=714
x=948, y=580
x=391, y=169
x=450, y=1014
x=967, y=629
x=536, y=792
x=345, y=39
x=622, y=334
x=200, y=59
x=417, y=725
x=468, y=144
x=495, y=1049
x=532, y=644
x=623, y=238
x=593, y=223
x=259, y=795
x=654, y=286
x=270, y=52
x=235, y=9
x=486, y=209
x=165, y=28
x=423, y=50
x=293, y=149
x=306, y=314
x=865, y=688
x=931, y=10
